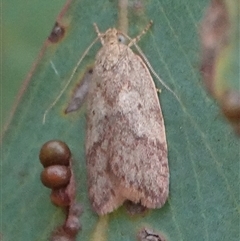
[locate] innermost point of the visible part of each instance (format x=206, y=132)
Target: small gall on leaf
x=58, y=175
x=60, y=198
x=57, y=33
x=54, y=152
x=55, y=176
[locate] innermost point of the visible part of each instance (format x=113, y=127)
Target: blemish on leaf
x=80, y=92
x=57, y=33
x=148, y=234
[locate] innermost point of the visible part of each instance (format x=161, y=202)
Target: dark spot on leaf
x=147, y=234
x=57, y=33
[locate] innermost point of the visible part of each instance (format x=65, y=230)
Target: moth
x=126, y=147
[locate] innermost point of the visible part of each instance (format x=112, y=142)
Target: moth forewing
x=126, y=145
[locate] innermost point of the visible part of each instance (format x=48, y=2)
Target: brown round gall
x=54, y=152
x=59, y=197
x=55, y=176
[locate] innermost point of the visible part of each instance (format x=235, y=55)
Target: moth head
x=112, y=36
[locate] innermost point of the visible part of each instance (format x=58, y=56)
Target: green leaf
x=23, y=32
x=203, y=152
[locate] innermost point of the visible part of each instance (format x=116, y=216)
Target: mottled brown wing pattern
x=126, y=144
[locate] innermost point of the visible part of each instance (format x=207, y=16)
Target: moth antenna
x=136, y=39
x=69, y=80
x=154, y=73
x=134, y=42
x=99, y=34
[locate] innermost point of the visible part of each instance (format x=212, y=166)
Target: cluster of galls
x=55, y=157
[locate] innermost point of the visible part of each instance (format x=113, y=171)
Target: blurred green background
x=25, y=26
